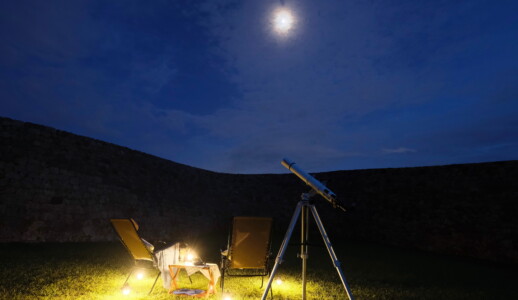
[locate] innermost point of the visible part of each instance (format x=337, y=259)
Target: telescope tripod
x=303, y=208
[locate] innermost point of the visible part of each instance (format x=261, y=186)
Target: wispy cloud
x=399, y=150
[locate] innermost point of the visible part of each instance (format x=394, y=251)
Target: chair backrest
x=250, y=242
x=127, y=231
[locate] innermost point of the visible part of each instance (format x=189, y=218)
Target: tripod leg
x=282, y=250
x=304, y=246
x=332, y=254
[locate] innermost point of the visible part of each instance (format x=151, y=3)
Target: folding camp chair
x=248, y=249
x=140, y=250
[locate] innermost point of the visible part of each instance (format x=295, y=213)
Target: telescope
x=304, y=207
x=316, y=185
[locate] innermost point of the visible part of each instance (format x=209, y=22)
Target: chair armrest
x=161, y=245
x=224, y=259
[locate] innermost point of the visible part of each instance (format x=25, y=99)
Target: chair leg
x=222, y=281
x=160, y=272
x=127, y=278
x=262, y=281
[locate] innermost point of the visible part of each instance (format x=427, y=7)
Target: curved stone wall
x=57, y=186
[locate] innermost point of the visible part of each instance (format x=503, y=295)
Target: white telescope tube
x=312, y=182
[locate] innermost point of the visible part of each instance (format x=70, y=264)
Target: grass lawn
x=97, y=271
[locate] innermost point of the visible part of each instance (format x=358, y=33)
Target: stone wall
x=56, y=186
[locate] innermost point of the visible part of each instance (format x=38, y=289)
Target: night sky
x=212, y=84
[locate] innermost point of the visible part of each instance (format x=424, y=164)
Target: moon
x=283, y=21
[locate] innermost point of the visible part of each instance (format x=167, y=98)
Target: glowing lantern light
x=227, y=297
x=278, y=281
x=126, y=289
x=140, y=275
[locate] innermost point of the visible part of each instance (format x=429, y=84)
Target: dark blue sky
x=355, y=84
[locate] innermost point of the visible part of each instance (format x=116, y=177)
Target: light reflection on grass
x=97, y=271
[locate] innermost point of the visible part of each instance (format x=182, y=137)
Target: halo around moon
x=283, y=21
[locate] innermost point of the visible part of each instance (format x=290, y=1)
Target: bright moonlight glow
x=283, y=21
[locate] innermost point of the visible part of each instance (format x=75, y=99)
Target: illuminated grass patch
x=97, y=271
